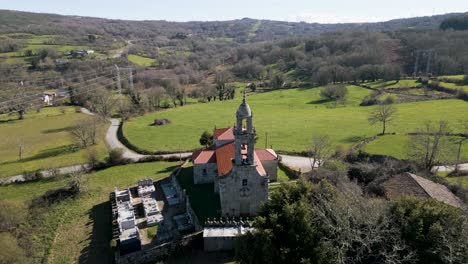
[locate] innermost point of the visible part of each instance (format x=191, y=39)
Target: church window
x=244, y=182
x=205, y=172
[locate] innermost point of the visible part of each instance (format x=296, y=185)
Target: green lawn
x=397, y=146
x=454, y=86
x=204, y=201
x=47, y=141
x=461, y=180
x=291, y=118
x=453, y=77
x=79, y=230
x=140, y=60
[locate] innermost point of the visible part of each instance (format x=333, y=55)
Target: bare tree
x=155, y=95
x=430, y=144
x=77, y=182
x=20, y=102
x=222, y=79
x=384, y=114
x=321, y=150
x=102, y=102
x=460, y=144
x=85, y=132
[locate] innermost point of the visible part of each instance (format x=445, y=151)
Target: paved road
x=46, y=173
x=301, y=163
x=462, y=167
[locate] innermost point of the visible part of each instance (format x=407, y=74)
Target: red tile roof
x=224, y=133
x=224, y=156
x=266, y=154
x=205, y=156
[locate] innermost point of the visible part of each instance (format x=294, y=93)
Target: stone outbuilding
x=414, y=185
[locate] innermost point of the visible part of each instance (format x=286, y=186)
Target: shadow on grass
x=48, y=153
x=320, y=101
x=56, y=130
x=168, y=169
x=98, y=249
x=353, y=139
x=204, y=201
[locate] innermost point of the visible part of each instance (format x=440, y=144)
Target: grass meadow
x=46, y=139
x=78, y=230
x=140, y=60
x=291, y=118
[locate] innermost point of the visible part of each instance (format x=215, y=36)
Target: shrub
x=116, y=157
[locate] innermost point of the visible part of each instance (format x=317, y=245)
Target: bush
x=465, y=80
x=116, y=157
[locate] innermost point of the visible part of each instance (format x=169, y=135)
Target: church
x=240, y=172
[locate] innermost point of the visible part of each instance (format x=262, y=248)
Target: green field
x=140, y=60
x=35, y=43
x=46, y=139
x=291, y=118
x=397, y=146
x=454, y=86
x=453, y=77
x=79, y=230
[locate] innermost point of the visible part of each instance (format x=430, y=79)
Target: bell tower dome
x=244, y=134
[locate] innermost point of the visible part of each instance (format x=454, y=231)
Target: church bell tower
x=244, y=134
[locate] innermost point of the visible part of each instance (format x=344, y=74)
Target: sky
x=323, y=11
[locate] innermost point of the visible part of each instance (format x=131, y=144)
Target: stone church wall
x=204, y=173
x=239, y=197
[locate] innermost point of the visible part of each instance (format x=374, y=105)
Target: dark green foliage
x=335, y=93
x=455, y=23
x=206, y=139
x=307, y=223
x=435, y=231
x=318, y=223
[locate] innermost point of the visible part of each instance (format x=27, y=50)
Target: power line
x=68, y=75
x=33, y=97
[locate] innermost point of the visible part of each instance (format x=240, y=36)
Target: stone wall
x=271, y=167
x=237, y=199
x=204, y=173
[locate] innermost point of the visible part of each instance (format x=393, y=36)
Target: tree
x=429, y=145
x=460, y=144
x=77, y=182
x=316, y=223
x=173, y=90
x=321, y=150
x=102, y=102
x=435, y=231
x=276, y=81
x=155, y=95
x=20, y=102
x=206, y=139
x=221, y=80
x=84, y=132
x=384, y=113
x=335, y=93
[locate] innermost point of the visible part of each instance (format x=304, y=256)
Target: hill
x=242, y=30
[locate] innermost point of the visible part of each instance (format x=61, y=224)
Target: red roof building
x=240, y=172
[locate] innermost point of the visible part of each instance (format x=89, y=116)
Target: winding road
x=300, y=163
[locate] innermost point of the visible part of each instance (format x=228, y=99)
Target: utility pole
x=119, y=86
x=266, y=139
x=430, y=53
x=416, y=64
